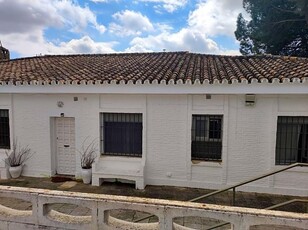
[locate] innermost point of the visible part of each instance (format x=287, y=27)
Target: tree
x=302, y=8
x=276, y=27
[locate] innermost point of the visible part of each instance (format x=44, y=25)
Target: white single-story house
x=170, y=118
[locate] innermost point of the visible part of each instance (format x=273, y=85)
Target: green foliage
x=302, y=8
x=276, y=27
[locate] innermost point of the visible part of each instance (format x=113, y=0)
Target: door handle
x=66, y=146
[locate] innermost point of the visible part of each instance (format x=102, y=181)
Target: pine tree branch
x=289, y=20
x=284, y=10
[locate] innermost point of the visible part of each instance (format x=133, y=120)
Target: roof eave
x=264, y=87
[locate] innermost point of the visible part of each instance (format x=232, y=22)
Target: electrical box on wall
x=250, y=99
x=208, y=96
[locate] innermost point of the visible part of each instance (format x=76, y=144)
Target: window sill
x=119, y=157
x=295, y=169
x=214, y=164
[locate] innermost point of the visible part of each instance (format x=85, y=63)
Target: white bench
x=126, y=168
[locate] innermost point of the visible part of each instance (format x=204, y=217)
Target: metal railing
x=233, y=187
x=268, y=208
x=287, y=203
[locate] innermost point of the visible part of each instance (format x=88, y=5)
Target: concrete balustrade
x=42, y=216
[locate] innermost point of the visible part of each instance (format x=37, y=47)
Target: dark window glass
x=121, y=134
x=4, y=129
x=200, y=131
x=206, y=134
x=291, y=140
x=215, y=128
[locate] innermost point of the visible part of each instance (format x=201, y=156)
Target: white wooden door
x=65, y=138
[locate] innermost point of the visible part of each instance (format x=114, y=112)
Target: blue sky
x=29, y=28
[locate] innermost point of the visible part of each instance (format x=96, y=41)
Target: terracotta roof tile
x=153, y=66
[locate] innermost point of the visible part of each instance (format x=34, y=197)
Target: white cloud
x=185, y=39
x=214, y=17
x=98, y=1
x=209, y=19
x=75, y=16
x=22, y=16
x=25, y=35
x=224, y=51
x=26, y=44
x=163, y=27
x=82, y=45
x=130, y=23
x=169, y=5
x=104, y=1
x=23, y=22
x=31, y=45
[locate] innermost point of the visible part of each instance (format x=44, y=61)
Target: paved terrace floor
x=243, y=199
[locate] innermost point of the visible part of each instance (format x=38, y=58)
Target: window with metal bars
x=4, y=129
x=206, y=137
x=291, y=140
x=121, y=134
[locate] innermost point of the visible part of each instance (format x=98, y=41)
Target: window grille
x=206, y=135
x=4, y=129
x=291, y=140
x=121, y=134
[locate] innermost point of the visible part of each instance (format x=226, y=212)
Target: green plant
x=18, y=155
x=88, y=154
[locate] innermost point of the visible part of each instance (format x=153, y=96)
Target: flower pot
x=86, y=175
x=15, y=171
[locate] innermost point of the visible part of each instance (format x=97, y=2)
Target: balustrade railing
x=42, y=215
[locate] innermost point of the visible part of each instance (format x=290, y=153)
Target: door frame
x=53, y=144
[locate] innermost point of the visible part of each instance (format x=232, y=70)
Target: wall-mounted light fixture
x=62, y=114
x=250, y=99
x=60, y=104
x=208, y=96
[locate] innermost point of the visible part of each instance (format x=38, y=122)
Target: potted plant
x=87, y=158
x=16, y=157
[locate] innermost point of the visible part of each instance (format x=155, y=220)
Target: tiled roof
x=159, y=67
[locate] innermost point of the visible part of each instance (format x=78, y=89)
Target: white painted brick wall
x=166, y=137
x=31, y=125
x=248, y=138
